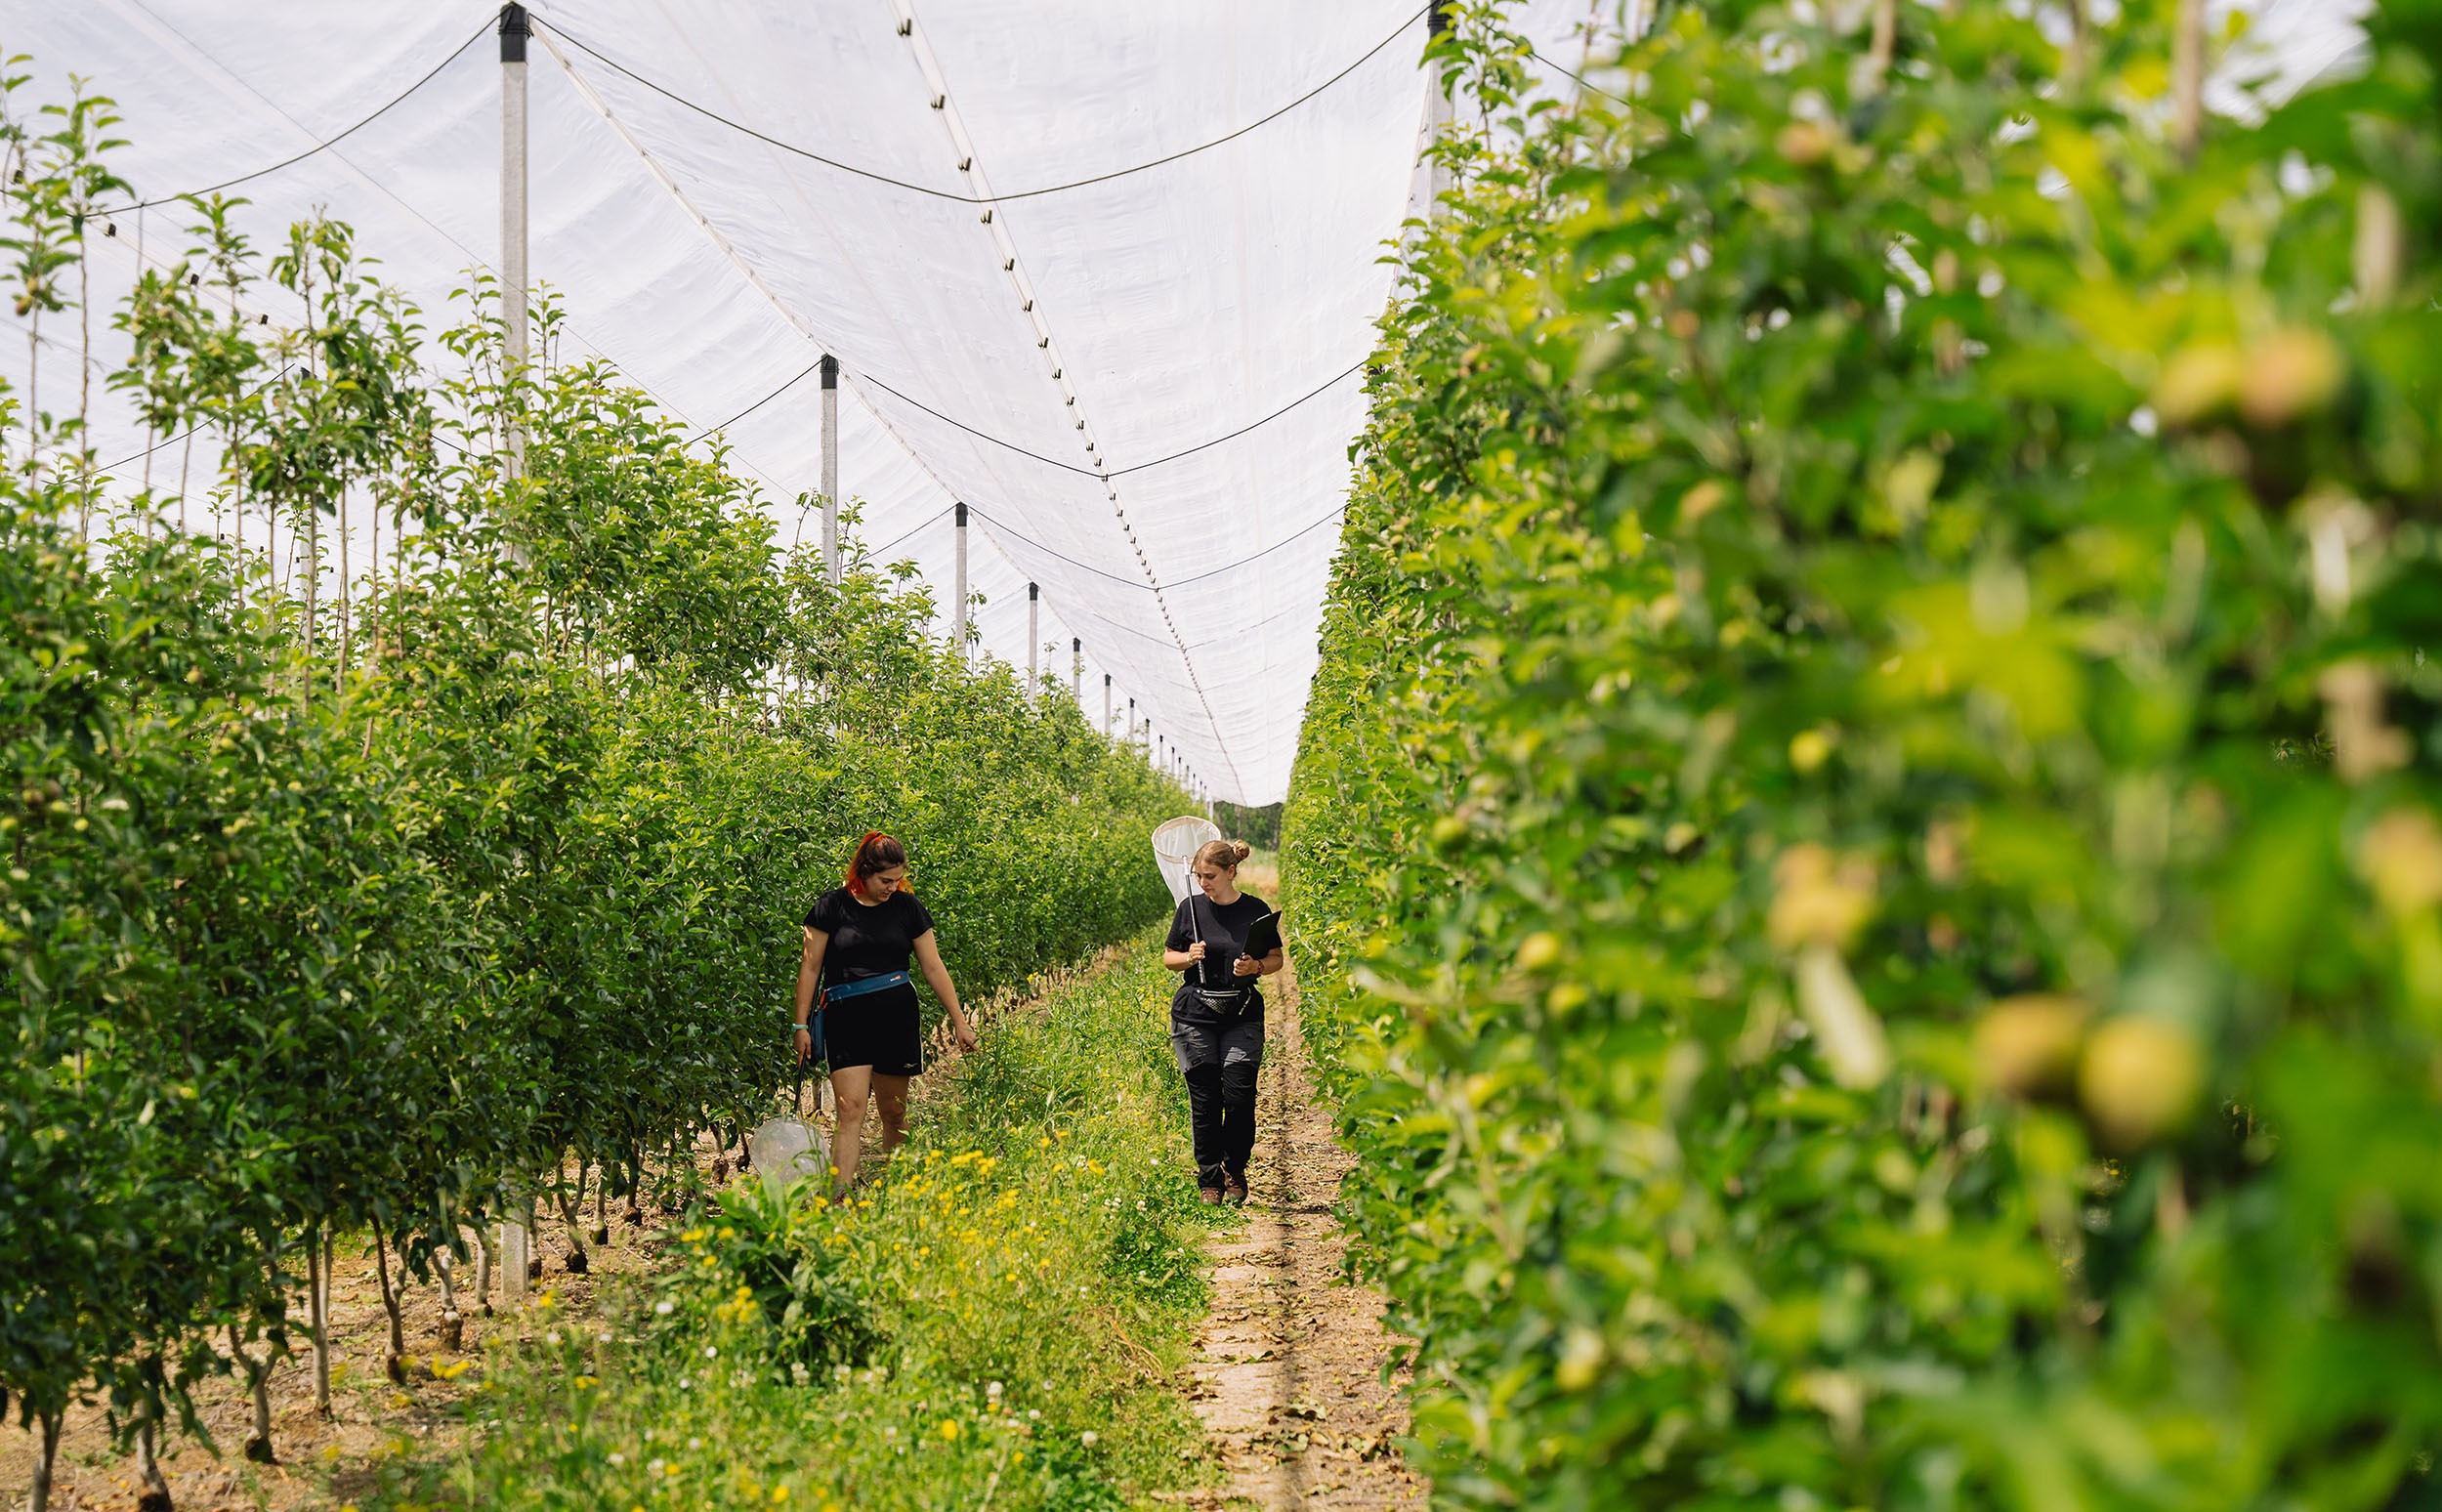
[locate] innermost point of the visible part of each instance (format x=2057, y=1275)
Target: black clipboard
x=1263, y=937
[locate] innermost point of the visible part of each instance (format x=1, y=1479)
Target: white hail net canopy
x=1047, y=364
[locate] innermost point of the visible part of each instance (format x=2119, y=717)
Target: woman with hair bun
x=1216, y=1016
x=858, y=941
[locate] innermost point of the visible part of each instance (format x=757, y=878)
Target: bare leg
x=849, y=1086
x=890, y=1100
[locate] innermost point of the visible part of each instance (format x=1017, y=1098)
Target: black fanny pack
x=1227, y=1002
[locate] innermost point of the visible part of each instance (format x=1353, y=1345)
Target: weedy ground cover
x=997, y=1321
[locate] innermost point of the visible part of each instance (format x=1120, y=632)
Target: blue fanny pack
x=863, y=985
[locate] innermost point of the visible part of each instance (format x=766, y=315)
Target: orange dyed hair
x=875, y=853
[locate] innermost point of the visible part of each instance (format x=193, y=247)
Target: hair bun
x=1222, y=853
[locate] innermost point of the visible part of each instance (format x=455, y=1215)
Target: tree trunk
x=571, y=1204
x=49, y=1456
x=1884, y=44
x=237, y=507
x=2187, y=79
x=186, y=461
x=340, y=680
x=395, y=1366
x=155, y=1496
x=312, y=577
x=259, y=1387
x=34, y=468
x=452, y=1322
x=84, y=385
x=482, y=1268
x=318, y=1305
x=373, y=582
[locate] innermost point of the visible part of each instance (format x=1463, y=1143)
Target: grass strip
x=996, y=1323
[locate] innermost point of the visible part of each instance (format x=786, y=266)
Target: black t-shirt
x=867, y=940
x=1224, y=928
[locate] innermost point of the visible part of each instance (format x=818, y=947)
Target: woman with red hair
x=858, y=941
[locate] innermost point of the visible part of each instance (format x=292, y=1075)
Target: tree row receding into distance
x=1870, y=832
x=396, y=840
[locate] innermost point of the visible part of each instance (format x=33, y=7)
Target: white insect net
x=1105, y=374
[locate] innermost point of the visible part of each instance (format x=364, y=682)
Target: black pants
x=1221, y=1109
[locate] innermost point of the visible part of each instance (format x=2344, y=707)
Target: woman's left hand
x=1247, y=966
x=962, y=1035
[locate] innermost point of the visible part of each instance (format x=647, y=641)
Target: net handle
x=1196, y=925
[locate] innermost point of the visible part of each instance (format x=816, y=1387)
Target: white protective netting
x=1175, y=844
x=1173, y=306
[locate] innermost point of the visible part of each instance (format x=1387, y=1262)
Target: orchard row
x=404, y=893
x=1870, y=827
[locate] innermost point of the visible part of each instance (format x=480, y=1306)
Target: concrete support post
x=1076, y=671
x=516, y=1233
x=513, y=272
x=517, y=1255
x=1439, y=110
x=1033, y=635
x=959, y=590
x=830, y=468
x=514, y=28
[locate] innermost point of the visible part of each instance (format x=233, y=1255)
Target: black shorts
x=882, y=1029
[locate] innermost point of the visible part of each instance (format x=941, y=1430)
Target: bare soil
x=371, y=1418
x=321, y=1459
x=1291, y=1383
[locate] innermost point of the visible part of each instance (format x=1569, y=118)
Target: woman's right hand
x=1195, y=953
x=805, y=1043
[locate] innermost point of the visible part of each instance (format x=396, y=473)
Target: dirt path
x=1289, y=1383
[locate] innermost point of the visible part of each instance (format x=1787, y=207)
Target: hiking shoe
x=1234, y=1191
x=1210, y=1196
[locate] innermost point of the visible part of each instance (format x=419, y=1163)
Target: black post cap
x=514, y=28
x=962, y=515
x=830, y=372
x=1033, y=590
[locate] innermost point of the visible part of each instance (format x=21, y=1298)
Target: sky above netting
x=1144, y=385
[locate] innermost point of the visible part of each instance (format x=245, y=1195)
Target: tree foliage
x=401, y=889
x=1867, y=829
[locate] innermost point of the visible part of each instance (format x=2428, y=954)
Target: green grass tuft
x=1004, y=1314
